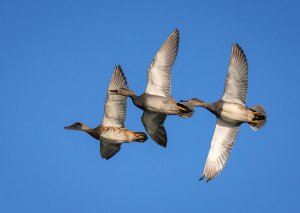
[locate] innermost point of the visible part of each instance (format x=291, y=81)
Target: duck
x=156, y=101
x=231, y=112
x=111, y=132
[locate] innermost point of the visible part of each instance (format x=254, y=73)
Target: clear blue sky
x=56, y=60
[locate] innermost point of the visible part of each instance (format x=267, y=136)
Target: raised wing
x=153, y=124
x=221, y=145
x=236, y=85
x=115, y=105
x=107, y=150
x=159, y=72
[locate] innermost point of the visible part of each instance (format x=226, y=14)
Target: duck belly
x=236, y=113
x=116, y=135
x=161, y=105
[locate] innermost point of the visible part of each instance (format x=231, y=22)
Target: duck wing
x=159, y=72
x=236, y=85
x=115, y=105
x=221, y=145
x=107, y=149
x=153, y=124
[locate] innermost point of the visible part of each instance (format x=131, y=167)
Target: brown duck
x=111, y=132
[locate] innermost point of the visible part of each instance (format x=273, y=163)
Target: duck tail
x=260, y=117
x=140, y=137
x=186, y=109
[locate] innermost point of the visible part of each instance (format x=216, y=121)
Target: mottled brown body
x=115, y=134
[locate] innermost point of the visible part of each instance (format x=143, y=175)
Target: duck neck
x=92, y=132
x=138, y=101
x=215, y=107
x=209, y=107
x=200, y=104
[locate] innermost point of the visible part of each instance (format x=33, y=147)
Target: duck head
x=77, y=126
x=123, y=91
x=196, y=102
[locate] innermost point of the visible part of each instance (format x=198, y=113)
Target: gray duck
x=156, y=101
x=231, y=112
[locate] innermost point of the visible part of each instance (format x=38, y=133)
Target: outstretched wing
x=221, y=145
x=115, y=105
x=107, y=150
x=236, y=85
x=159, y=72
x=153, y=124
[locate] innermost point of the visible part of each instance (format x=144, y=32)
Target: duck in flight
x=156, y=101
x=112, y=132
x=231, y=112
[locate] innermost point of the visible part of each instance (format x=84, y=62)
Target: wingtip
x=237, y=51
x=236, y=46
x=204, y=177
x=175, y=33
x=119, y=76
x=159, y=141
x=118, y=67
x=105, y=158
x=162, y=144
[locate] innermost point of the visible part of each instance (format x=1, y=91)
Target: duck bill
x=114, y=91
x=69, y=127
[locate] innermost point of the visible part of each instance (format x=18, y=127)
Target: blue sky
x=56, y=60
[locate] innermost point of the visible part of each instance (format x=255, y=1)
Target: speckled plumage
x=111, y=133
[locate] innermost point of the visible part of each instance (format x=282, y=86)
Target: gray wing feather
x=236, y=85
x=159, y=72
x=108, y=150
x=115, y=105
x=222, y=143
x=153, y=124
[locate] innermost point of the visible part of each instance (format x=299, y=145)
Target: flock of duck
x=157, y=102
